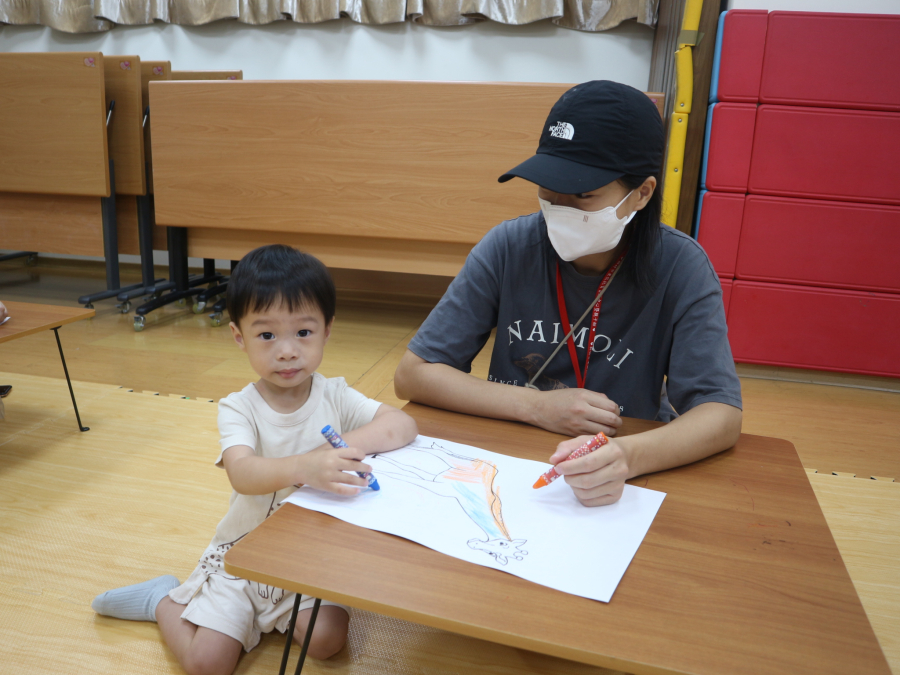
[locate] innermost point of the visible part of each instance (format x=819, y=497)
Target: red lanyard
x=564, y=316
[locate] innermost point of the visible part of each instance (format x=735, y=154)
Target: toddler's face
x=284, y=347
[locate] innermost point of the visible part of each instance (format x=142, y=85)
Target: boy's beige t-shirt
x=246, y=419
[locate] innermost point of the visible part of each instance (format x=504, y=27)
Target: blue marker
x=337, y=442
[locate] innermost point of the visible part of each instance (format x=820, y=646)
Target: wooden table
x=738, y=574
x=27, y=318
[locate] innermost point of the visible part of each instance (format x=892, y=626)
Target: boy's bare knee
x=324, y=646
x=211, y=654
x=200, y=663
x=330, y=634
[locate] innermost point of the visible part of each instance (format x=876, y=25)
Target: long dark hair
x=643, y=237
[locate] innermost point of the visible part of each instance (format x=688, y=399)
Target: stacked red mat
x=801, y=209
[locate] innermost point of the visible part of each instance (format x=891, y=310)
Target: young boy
x=281, y=303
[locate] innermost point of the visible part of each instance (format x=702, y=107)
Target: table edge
x=433, y=621
x=50, y=325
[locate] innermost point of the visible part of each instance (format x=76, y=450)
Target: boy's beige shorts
x=243, y=609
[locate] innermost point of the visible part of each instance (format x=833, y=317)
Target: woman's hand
x=575, y=411
x=596, y=479
x=325, y=468
x=3, y=312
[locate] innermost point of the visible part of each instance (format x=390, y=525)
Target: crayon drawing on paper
x=467, y=480
x=479, y=506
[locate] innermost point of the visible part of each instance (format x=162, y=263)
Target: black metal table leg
x=110, y=247
x=17, y=254
x=290, y=636
x=81, y=427
x=149, y=284
x=309, y=632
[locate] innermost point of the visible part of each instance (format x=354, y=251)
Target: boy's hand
x=325, y=469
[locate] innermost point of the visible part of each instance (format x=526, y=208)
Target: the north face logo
x=562, y=130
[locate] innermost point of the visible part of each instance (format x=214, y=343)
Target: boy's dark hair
x=274, y=274
x=643, y=237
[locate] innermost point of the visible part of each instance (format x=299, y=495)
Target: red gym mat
x=726, y=294
x=824, y=153
x=832, y=60
x=741, y=58
x=806, y=327
x=819, y=243
x=730, y=147
x=720, y=229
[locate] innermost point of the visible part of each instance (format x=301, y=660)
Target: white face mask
x=575, y=233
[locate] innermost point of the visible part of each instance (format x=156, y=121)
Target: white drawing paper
x=5, y=320
x=480, y=506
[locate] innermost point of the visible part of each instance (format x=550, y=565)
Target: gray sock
x=136, y=602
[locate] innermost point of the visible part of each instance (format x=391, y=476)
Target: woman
x=657, y=350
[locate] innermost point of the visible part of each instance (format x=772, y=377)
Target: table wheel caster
x=124, y=306
x=216, y=318
x=31, y=261
x=89, y=305
x=199, y=306
x=155, y=296
x=139, y=323
x=181, y=302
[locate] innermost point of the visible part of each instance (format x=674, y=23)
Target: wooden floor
x=75, y=518
x=864, y=518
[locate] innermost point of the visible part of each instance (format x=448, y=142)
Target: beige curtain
x=85, y=16
x=587, y=15
x=197, y=12
x=69, y=16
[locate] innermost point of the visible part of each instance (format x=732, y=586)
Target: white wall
x=487, y=51
x=856, y=7
x=337, y=50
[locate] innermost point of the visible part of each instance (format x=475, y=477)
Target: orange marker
x=597, y=441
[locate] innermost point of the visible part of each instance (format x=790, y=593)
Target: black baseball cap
x=596, y=133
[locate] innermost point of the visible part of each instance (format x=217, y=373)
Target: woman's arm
x=599, y=478
x=700, y=432
x=700, y=365
x=565, y=411
x=325, y=467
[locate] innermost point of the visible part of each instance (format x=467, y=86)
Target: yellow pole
x=684, y=81
x=674, y=168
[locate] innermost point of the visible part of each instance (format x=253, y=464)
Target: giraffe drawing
x=470, y=482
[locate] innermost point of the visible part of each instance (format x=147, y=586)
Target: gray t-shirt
x=677, y=332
